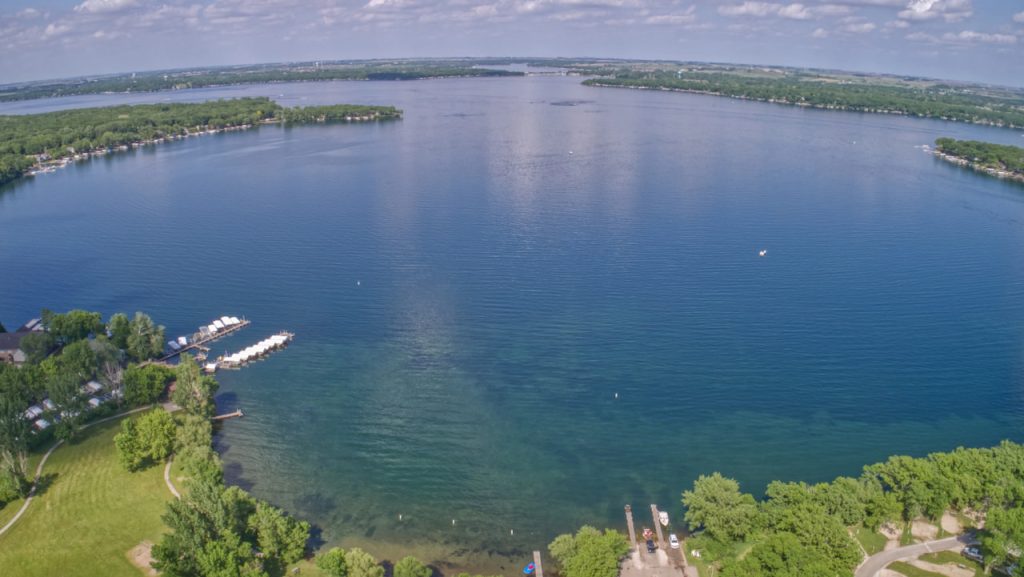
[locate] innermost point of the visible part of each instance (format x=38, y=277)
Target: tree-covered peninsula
x=861, y=93
x=35, y=142
x=999, y=160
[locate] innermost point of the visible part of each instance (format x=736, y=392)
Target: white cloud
x=820, y=33
x=859, y=27
x=99, y=6
x=948, y=10
x=972, y=36
x=1019, y=17
x=793, y=11
x=53, y=30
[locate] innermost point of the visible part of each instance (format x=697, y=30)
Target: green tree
x=589, y=553
x=279, y=536
x=144, y=385
x=156, y=432
x=14, y=432
x=717, y=505
x=780, y=555
x=1003, y=537
x=119, y=328
x=412, y=567
x=145, y=340
x=129, y=451
x=193, y=391
x=2, y=328
x=78, y=360
x=37, y=346
x=333, y=562
x=73, y=325
x=362, y=564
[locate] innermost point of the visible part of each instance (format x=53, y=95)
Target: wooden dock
x=227, y=416
x=203, y=338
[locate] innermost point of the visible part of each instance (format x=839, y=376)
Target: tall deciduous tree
x=333, y=562
x=145, y=339
x=73, y=325
x=412, y=567
x=589, y=553
x=716, y=504
x=362, y=564
x=193, y=391
x=119, y=328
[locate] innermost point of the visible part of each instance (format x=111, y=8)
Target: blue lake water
x=473, y=285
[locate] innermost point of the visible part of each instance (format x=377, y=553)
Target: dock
x=226, y=416
x=219, y=328
x=255, y=352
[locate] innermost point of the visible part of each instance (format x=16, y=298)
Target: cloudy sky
x=979, y=40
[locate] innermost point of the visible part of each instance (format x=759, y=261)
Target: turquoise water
x=472, y=286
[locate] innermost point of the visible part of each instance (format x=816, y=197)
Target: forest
x=27, y=140
x=1000, y=157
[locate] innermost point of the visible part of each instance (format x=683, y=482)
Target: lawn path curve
x=42, y=463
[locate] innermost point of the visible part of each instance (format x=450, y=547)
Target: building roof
x=11, y=341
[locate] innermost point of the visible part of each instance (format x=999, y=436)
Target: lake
x=530, y=302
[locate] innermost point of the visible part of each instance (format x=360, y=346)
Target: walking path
x=167, y=479
x=39, y=468
x=877, y=562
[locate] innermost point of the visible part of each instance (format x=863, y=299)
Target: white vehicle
x=673, y=541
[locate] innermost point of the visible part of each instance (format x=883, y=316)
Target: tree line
x=985, y=154
x=155, y=81
x=931, y=101
x=24, y=139
x=799, y=529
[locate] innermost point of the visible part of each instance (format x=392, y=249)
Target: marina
x=255, y=352
x=206, y=334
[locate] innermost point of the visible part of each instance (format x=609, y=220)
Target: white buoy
x=453, y=521
x=399, y=516
x=616, y=395
x=511, y=531
x=359, y=283
x=762, y=253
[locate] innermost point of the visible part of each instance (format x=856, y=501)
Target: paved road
x=877, y=562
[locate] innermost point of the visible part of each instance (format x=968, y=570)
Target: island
x=999, y=160
x=35, y=143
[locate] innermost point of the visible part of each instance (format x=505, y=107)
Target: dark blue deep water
x=471, y=287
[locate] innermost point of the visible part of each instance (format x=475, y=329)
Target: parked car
x=650, y=546
x=973, y=553
x=673, y=541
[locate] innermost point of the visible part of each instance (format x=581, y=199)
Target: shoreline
x=806, y=104
x=976, y=167
x=52, y=165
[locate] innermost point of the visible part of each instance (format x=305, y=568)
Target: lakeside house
x=10, y=343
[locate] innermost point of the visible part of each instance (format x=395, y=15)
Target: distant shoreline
x=865, y=110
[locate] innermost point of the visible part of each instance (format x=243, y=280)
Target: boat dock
x=227, y=416
x=218, y=328
x=255, y=352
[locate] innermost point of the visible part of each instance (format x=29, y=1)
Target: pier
x=207, y=334
x=226, y=416
x=255, y=352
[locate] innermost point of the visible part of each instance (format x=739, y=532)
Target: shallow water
x=472, y=286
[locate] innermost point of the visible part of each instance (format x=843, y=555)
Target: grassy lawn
x=953, y=558
x=911, y=571
x=91, y=513
x=872, y=541
x=11, y=509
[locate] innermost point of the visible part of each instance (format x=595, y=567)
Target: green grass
x=953, y=558
x=90, y=515
x=872, y=541
x=911, y=571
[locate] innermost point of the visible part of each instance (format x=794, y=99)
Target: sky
x=974, y=40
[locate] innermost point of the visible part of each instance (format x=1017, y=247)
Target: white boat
x=663, y=518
